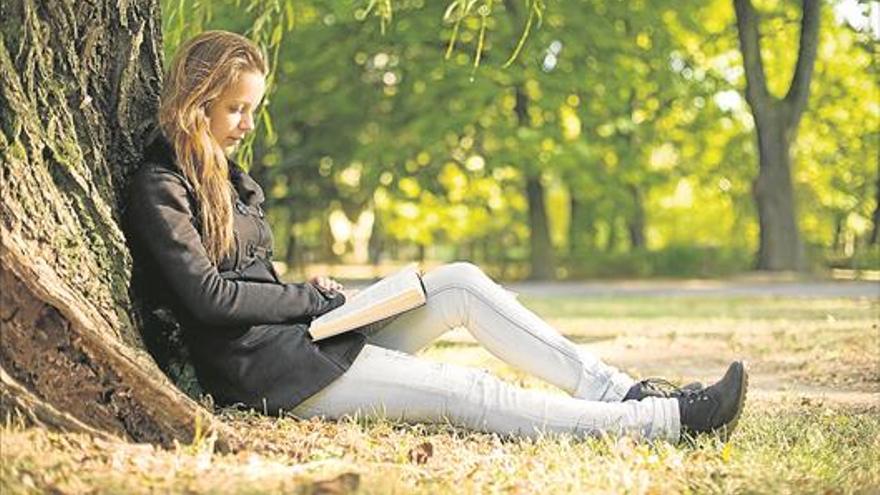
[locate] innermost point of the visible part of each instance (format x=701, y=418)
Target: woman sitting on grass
x=197, y=226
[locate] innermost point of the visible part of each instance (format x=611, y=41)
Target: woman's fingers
x=331, y=284
x=327, y=283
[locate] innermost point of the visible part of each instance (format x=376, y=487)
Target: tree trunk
x=875, y=232
x=376, y=244
x=776, y=122
x=780, y=247
x=837, y=241
x=541, y=259
x=543, y=266
x=581, y=228
x=636, y=222
x=612, y=243
x=79, y=83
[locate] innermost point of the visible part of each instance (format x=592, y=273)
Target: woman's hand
x=327, y=283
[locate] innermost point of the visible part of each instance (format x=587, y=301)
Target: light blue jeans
x=388, y=380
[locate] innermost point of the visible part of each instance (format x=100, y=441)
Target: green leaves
x=630, y=111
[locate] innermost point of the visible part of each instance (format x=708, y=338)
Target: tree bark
x=79, y=87
x=776, y=123
x=542, y=262
x=780, y=247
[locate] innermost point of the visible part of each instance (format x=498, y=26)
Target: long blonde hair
x=202, y=69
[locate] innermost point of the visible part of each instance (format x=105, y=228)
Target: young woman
x=197, y=226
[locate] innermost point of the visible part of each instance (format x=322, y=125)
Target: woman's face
x=231, y=115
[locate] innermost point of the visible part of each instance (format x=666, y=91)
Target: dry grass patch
x=790, y=441
x=781, y=448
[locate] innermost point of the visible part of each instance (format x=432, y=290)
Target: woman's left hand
x=327, y=284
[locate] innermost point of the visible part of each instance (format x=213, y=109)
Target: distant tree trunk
x=636, y=222
x=837, y=242
x=575, y=225
x=875, y=232
x=541, y=257
x=781, y=247
x=293, y=252
x=581, y=228
x=292, y=255
x=541, y=254
x=611, y=237
x=327, y=253
x=776, y=122
x=78, y=84
x=376, y=243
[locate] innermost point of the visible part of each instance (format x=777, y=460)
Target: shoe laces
x=664, y=387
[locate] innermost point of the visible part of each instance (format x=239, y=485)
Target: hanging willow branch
x=536, y=11
x=383, y=10
x=458, y=10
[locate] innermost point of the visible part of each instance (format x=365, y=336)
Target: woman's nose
x=247, y=122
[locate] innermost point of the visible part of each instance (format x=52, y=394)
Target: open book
x=392, y=295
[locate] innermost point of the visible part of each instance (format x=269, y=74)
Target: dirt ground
x=815, y=341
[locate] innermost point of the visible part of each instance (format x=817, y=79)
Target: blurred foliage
x=406, y=129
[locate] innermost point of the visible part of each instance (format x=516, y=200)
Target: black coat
x=245, y=329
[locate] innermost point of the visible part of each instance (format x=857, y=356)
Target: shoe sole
x=726, y=430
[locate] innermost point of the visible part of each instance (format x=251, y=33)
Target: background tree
x=776, y=124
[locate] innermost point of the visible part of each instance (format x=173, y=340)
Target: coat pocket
x=257, y=336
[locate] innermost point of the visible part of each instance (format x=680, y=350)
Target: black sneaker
x=715, y=408
x=658, y=387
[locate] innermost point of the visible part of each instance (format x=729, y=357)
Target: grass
x=812, y=422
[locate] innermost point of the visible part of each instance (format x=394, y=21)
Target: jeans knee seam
x=467, y=289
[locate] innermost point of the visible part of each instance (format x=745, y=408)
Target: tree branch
x=750, y=46
x=796, y=99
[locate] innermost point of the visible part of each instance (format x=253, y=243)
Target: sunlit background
x=561, y=140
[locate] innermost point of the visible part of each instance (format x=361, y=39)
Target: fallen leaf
x=421, y=453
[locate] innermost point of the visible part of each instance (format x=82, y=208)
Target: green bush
x=699, y=261
x=865, y=258
x=671, y=261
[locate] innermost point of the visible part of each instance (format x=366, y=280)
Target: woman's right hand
x=327, y=284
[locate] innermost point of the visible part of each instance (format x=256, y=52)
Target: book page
x=375, y=293
x=391, y=295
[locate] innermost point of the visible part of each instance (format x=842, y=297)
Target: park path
x=701, y=288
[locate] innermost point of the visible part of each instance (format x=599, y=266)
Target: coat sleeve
x=161, y=217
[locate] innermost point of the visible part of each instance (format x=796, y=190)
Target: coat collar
x=159, y=150
x=248, y=190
